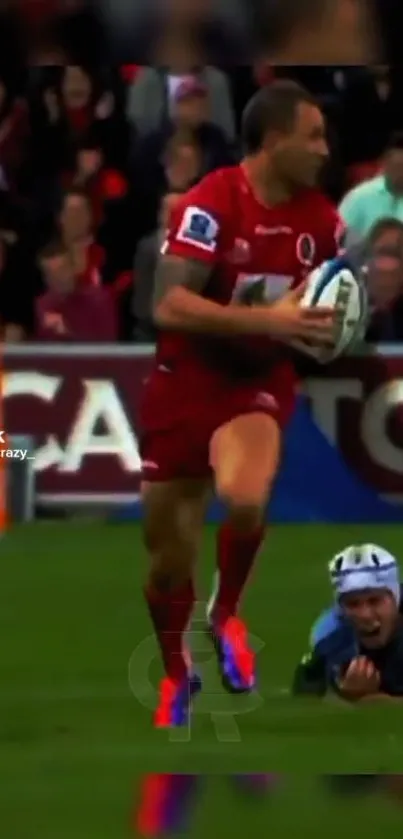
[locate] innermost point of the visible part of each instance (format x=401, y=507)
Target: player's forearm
x=181, y=309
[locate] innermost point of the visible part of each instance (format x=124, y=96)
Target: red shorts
x=180, y=415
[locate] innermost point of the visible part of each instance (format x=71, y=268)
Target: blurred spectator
x=187, y=147
x=190, y=112
x=178, y=166
x=97, y=261
x=90, y=172
x=151, y=96
x=49, y=28
x=107, y=190
x=144, y=269
x=379, y=197
x=182, y=161
x=71, y=102
x=314, y=32
x=77, y=229
x=385, y=281
x=69, y=311
x=219, y=28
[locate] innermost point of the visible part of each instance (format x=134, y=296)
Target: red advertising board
x=79, y=404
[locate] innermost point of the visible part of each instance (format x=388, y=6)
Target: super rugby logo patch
x=199, y=229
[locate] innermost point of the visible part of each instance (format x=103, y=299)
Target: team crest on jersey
x=306, y=249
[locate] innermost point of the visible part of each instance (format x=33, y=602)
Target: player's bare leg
x=244, y=455
x=173, y=519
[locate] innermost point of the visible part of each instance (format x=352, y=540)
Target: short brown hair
x=272, y=108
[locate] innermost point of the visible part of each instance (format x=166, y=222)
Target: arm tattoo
x=176, y=271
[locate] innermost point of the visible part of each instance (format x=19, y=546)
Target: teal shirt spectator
x=369, y=202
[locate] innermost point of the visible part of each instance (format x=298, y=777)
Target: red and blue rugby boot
x=236, y=661
x=175, y=701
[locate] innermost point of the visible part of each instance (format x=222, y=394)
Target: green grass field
x=79, y=669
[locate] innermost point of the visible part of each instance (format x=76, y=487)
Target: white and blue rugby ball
x=334, y=284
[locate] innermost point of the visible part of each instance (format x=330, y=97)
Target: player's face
x=373, y=614
x=299, y=156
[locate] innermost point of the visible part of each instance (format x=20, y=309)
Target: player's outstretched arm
x=179, y=305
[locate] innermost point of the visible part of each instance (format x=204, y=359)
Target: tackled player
x=357, y=645
x=223, y=382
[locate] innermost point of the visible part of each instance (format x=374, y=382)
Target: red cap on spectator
x=191, y=86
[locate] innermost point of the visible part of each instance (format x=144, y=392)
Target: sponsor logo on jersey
x=261, y=230
x=198, y=228
x=306, y=249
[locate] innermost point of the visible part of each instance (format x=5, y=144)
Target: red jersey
x=256, y=253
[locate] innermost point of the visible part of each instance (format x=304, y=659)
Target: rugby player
x=357, y=645
x=227, y=291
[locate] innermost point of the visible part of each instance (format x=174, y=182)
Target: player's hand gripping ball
x=334, y=284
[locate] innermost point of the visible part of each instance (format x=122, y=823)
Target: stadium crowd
x=92, y=162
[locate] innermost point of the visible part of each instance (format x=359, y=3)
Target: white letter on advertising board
x=101, y=404
x=324, y=397
x=45, y=388
x=374, y=426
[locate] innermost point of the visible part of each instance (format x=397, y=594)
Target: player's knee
x=245, y=505
x=171, y=557
x=170, y=569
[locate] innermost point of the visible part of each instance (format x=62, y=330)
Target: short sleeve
x=197, y=227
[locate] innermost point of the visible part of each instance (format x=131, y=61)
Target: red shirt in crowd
x=84, y=315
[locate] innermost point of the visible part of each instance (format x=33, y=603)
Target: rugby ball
x=334, y=284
